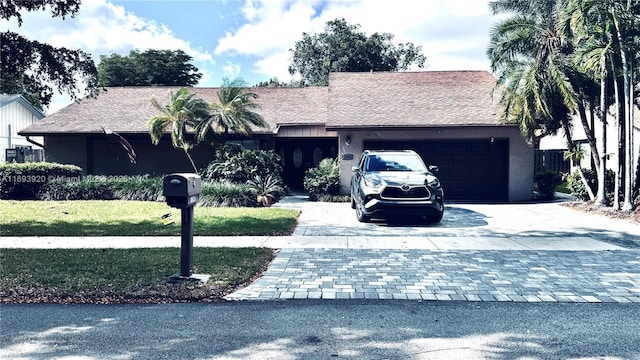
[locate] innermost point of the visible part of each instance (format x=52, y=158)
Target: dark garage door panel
x=475, y=170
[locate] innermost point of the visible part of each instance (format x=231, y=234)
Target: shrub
x=266, y=189
x=323, y=180
x=82, y=189
x=580, y=192
x=139, y=187
x=25, y=181
x=105, y=187
x=239, y=166
x=226, y=194
x=547, y=181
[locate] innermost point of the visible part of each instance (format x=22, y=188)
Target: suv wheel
x=435, y=218
x=361, y=216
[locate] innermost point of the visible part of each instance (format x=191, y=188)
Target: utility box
x=182, y=190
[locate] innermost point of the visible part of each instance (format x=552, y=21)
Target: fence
x=550, y=160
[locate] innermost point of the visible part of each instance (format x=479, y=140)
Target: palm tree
x=530, y=56
x=234, y=111
x=603, y=34
x=184, y=111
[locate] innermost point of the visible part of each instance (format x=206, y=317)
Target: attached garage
x=451, y=118
x=476, y=170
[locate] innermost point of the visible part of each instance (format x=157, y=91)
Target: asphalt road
x=322, y=330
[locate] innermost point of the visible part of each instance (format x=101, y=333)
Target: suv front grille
x=414, y=192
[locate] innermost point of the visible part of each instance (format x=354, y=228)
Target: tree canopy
x=342, y=47
x=151, y=67
x=563, y=57
x=34, y=69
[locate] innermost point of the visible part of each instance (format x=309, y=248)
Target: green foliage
x=28, y=180
x=267, y=189
x=234, y=111
x=546, y=183
x=36, y=69
x=79, y=189
x=323, y=180
x=225, y=194
x=150, y=67
x=184, y=111
x=98, y=187
x=239, y=166
x=579, y=191
x=342, y=47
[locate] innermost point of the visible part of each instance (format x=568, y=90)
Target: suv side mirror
x=355, y=168
x=433, y=168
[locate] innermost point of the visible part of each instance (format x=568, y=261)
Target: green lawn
x=135, y=218
x=122, y=275
x=128, y=275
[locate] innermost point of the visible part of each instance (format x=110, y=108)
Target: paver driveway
x=547, y=271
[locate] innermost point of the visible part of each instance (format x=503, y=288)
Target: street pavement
x=530, y=252
x=321, y=330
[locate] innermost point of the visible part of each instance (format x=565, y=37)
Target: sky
x=251, y=39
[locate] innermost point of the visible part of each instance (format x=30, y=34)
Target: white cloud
x=453, y=33
x=232, y=70
x=102, y=28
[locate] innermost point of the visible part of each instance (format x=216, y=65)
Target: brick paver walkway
x=468, y=275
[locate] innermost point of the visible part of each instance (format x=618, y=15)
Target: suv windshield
x=395, y=162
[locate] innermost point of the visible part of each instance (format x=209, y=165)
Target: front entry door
x=302, y=154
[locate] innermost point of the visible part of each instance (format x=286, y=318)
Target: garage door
x=471, y=170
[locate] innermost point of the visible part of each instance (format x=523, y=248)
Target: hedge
x=26, y=181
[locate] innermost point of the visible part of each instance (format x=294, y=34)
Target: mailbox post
x=182, y=191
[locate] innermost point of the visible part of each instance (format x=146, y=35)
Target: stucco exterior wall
x=66, y=150
x=521, y=161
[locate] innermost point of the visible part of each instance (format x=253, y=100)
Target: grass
x=136, y=218
x=128, y=275
x=122, y=275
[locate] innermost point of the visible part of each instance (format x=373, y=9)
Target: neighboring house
x=16, y=113
x=558, y=142
x=451, y=118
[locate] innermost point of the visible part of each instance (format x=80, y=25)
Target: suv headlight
x=433, y=181
x=372, y=181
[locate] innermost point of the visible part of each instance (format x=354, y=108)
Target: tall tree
x=540, y=88
x=604, y=31
x=150, y=67
x=342, y=47
x=235, y=111
x=36, y=69
x=529, y=56
x=183, y=112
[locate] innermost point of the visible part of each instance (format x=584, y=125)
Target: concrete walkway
x=498, y=252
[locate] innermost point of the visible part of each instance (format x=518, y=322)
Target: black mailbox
x=182, y=190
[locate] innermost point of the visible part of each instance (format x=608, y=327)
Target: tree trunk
x=588, y=130
x=195, y=169
x=619, y=173
x=628, y=140
x=627, y=122
x=601, y=195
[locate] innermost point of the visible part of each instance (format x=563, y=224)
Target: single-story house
x=17, y=113
x=451, y=118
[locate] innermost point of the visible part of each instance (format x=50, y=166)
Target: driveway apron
x=533, y=252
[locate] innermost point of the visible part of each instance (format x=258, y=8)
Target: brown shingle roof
x=412, y=99
x=379, y=99
x=127, y=109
